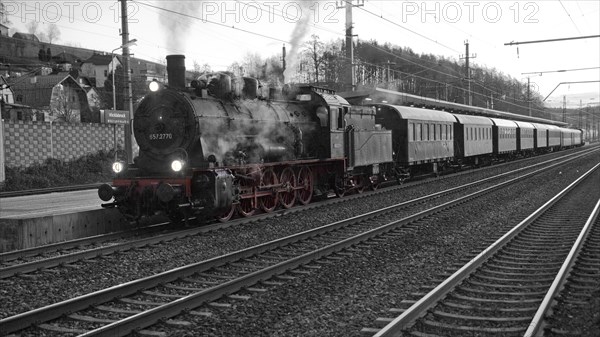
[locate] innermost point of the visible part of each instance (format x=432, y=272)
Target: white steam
x=298, y=34
x=176, y=28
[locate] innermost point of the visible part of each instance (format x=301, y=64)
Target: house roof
x=25, y=36
x=65, y=57
x=100, y=60
x=36, y=91
x=88, y=89
x=85, y=82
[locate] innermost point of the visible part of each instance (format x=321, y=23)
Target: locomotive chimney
x=176, y=71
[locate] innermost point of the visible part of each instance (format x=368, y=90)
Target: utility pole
x=127, y=90
x=564, y=119
x=529, y=96
x=349, y=36
x=389, y=77
x=468, y=71
x=580, y=109
x=283, y=63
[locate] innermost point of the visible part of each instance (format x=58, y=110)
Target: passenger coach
x=504, y=137
x=472, y=139
x=421, y=138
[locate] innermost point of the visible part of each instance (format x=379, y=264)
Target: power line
x=559, y=71
x=212, y=22
x=409, y=30
x=569, y=15
x=551, y=40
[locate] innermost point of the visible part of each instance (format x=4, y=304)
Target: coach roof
x=477, y=120
x=504, y=122
x=539, y=126
x=524, y=125
x=406, y=112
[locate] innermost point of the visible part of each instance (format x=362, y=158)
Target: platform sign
x=115, y=116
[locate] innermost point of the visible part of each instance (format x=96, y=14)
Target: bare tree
x=61, y=106
x=253, y=65
x=32, y=27
x=314, y=50
x=201, y=69
x=53, y=33
x=3, y=16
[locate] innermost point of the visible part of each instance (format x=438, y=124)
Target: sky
x=219, y=33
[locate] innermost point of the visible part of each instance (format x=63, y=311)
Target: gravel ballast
x=337, y=300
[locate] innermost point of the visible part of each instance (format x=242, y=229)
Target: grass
x=91, y=168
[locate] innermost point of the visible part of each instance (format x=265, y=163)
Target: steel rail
x=10, y=194
x=536, y=324
x=23, y=320
x=395, y=327
x=28, y=267
x=71, y=244
x=96, y=252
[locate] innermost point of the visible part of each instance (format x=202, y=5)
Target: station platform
x=35, y=220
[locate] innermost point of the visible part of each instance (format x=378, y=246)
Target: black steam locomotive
x=225, y=145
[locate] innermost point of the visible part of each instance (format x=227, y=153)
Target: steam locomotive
x=225, y=146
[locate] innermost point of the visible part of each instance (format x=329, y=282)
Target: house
x=99, y=68
x=25, y=36
x=3, y=30
x=93, y=97
x=6, y=93
x=59, y=96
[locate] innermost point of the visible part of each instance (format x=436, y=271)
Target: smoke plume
x=176, y=28
x=298, y=34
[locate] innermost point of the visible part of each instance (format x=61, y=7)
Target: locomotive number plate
x=159, y=136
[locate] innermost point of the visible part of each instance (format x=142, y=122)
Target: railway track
x=63, y=254
x=10, y=194
x=510, y=286
x=138, y=304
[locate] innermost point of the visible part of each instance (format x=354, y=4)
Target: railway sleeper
x=476, y=319
x=518, y=311
x=445, y=326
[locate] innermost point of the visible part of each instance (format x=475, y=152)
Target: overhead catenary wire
x=408, y=60
x=342, y=57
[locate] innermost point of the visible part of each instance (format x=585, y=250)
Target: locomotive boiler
x=225, y=145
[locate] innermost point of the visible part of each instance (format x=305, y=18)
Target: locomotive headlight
x=154, y=86
x=177, y=165
x=117, y=167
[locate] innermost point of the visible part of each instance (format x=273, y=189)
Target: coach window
x=414, y=128
x=342, y=117
x=418, y=133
